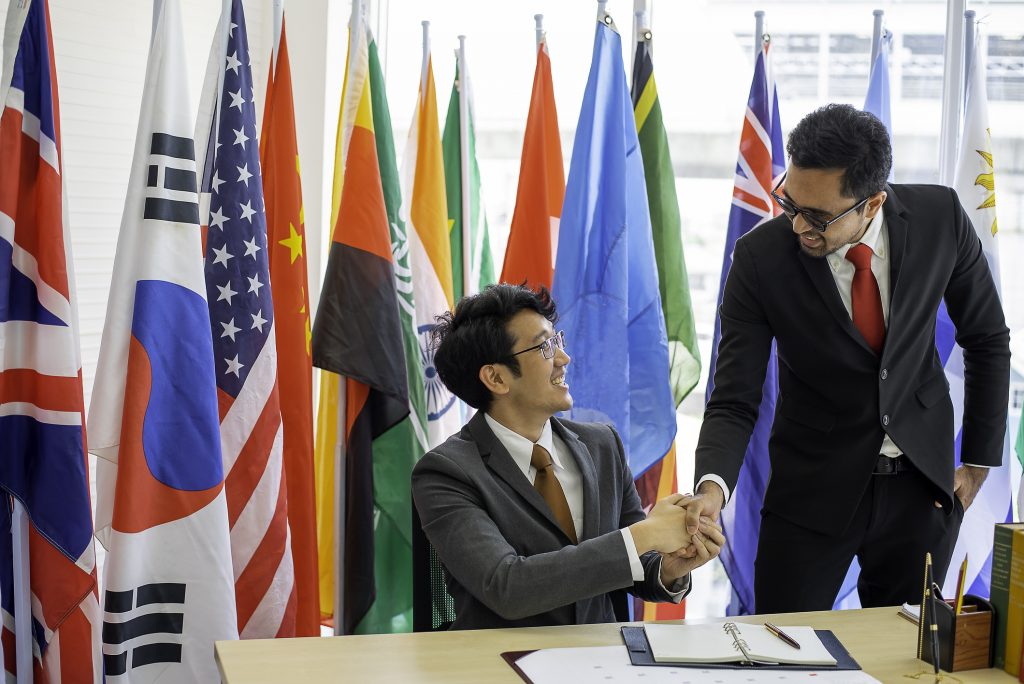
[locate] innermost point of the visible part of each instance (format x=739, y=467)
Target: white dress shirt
x=568, y=473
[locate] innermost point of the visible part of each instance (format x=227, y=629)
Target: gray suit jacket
x=508, y=562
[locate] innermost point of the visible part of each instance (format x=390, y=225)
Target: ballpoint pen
x=933, y=626
x=782, y=635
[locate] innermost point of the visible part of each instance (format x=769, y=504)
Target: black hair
x=839, y=136
x=476, y=334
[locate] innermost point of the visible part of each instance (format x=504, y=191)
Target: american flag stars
x=237, y=268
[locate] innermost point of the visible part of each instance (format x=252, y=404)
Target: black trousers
x=797, y=569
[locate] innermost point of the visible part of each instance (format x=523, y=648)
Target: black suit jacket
x=837, y=398
x=508, y=562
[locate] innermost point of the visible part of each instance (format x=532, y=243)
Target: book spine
x=1015, y=605
x=1002, y=553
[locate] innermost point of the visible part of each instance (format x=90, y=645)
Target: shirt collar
x=520, y=448
x=872, y=238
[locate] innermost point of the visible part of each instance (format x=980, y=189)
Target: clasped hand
x=685, y=539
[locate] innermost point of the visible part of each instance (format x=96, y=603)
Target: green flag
x=684, y=357
x=396, y=451
x=480, y=262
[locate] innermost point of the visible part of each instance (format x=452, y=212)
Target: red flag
x=286, y=235
x=533, y=237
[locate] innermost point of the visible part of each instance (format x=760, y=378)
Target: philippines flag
x=759, y=167
x=153, y=421
x=241, y=315
x=43, y=461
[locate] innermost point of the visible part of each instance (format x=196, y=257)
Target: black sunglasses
x=791, y=210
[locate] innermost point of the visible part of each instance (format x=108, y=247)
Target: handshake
x=683, y=528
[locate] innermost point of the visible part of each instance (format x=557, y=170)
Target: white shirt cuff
x=718, y=481
x=636, y=568
x=974, y=465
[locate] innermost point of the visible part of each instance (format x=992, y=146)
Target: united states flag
x=42, y=443
x=245, y=352
x=760, y=165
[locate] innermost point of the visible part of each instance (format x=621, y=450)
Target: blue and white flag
x=975, y=186
x=761, y=163
x=606, y=278
x=877, y=100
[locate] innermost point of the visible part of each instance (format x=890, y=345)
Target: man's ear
x=874, y=205
x=493, y=376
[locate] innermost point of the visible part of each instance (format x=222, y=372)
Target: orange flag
x=282, y=191
x=533, y=238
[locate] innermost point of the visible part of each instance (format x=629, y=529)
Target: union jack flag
x=245, y=350
x=42, y=439
x=760, y=166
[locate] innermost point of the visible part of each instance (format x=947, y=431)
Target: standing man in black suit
x=848, y=282
x=536, y=519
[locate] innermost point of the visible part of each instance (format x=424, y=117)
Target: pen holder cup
x=965, y=640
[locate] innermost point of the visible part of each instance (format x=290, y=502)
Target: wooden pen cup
x=965, y=640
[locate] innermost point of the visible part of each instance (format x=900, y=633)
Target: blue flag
x=759, y=167
x=606, y=278
x=877, y=100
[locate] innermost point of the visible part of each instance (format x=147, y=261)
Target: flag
x=425, y=213
x=168, y=584
x=397, y=450
x=606, y=278
x=357, y=333
x=1020, y=457
x=533, y=237
x=975, y=186
x=877, y=100
x=286, y=235
x=241, y=314
x=472, y=264
x=43, y=462
x=674, y=289
x=760, y=165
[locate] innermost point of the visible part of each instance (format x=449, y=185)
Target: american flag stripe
x=265, y=587
x=240, y=415
x=259, y=514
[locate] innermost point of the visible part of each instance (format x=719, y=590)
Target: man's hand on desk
x=704, y=545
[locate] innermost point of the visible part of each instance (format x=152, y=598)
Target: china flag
x=282, y=190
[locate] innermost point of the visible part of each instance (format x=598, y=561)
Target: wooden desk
x=882, y=642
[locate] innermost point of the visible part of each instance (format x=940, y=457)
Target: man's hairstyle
x=476, y=335
x=838, y=136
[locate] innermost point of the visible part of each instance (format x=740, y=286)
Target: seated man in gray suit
x=536, y=519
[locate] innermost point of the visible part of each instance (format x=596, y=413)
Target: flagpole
x=426, y=59
x=758, y=32
x=469, y=280
x=952, y=85
x=278, y=22
x=601, y=10
x=876, y=39
x=22, y=592
x=969, y=36
x=538, y=30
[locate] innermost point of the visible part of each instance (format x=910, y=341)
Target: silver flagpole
x=538, y=30
x=952, y=85
x=22, y=593
x=468, y=225
x=758, y=32
x=278, y=22
x=876, y=39
x=970, y=28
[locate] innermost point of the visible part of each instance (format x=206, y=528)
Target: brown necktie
x=548, y=486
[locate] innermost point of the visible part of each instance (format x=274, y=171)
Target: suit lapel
x=821, y=275
x=585, y=462
x=897, y=226
x=497, y=458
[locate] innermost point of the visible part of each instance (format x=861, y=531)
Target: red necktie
x=867, y=302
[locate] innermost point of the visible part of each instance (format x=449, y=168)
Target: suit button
x=885, y=373
x=885, y=419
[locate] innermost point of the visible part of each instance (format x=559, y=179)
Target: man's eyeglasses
x=815, y=222
x=547, y=347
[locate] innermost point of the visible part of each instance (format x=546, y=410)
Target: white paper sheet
x=611, y=664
